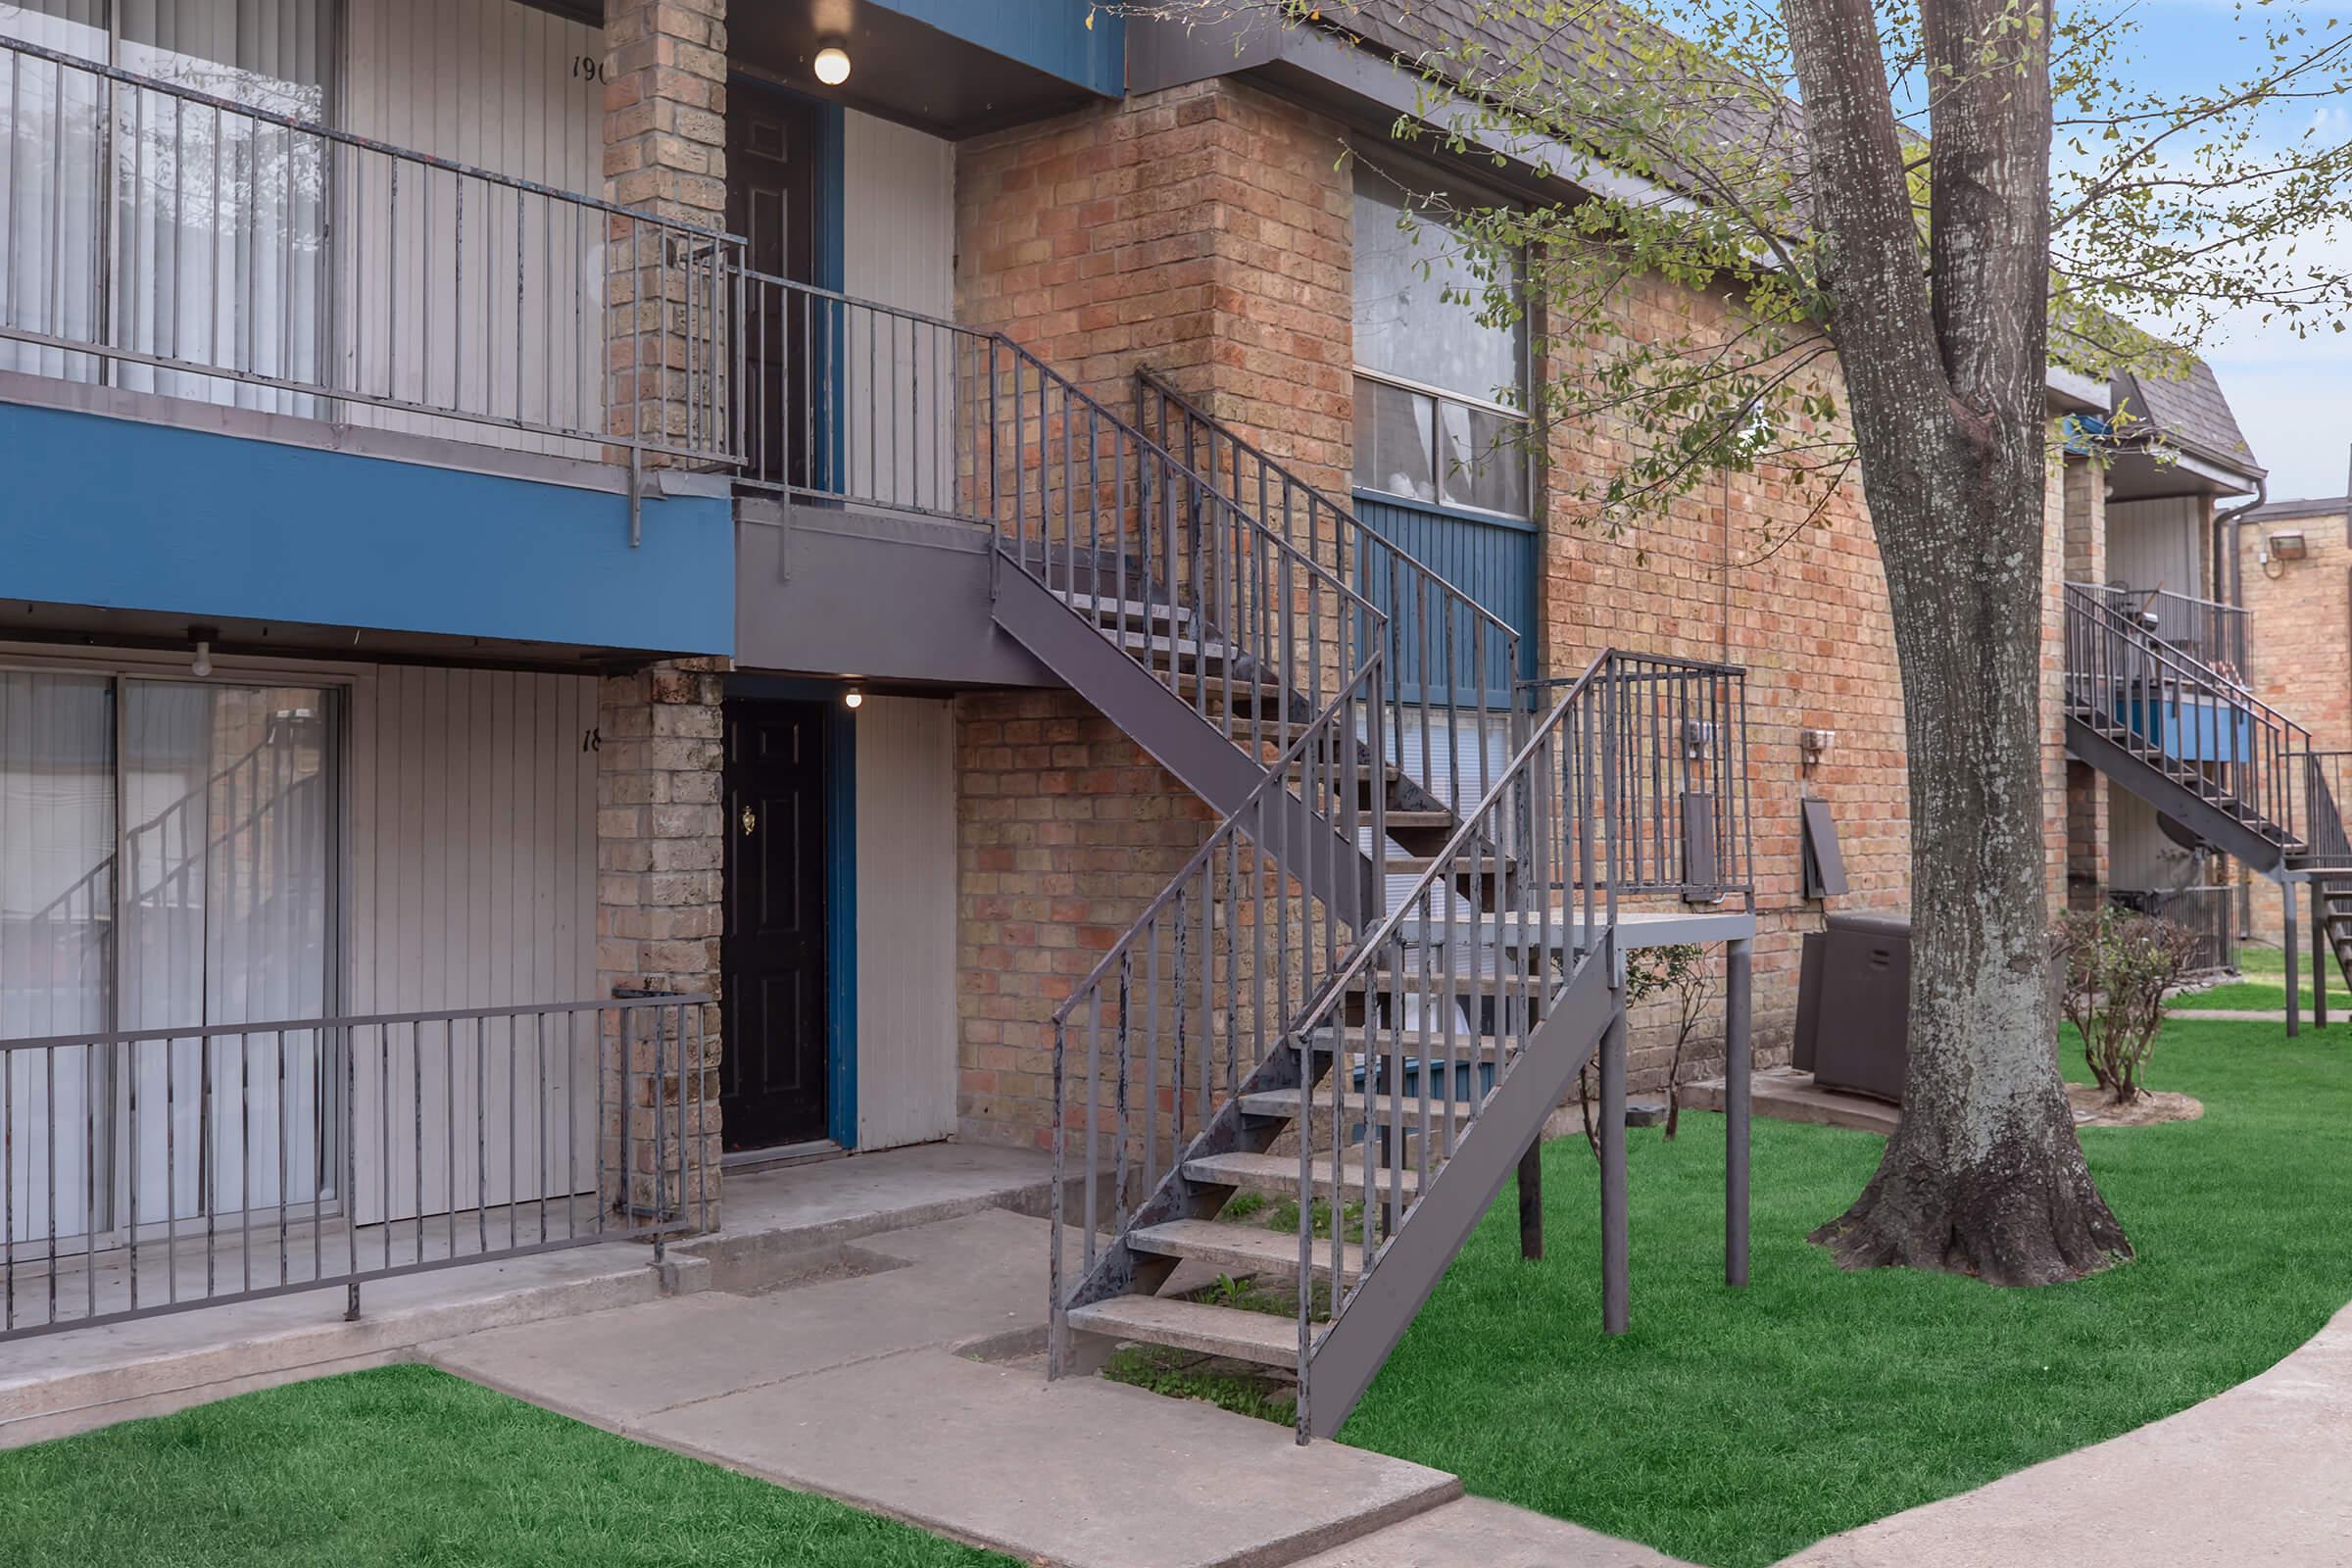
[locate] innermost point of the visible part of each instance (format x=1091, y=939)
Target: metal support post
x=1739, y=965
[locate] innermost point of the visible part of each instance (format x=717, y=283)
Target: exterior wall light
x=1814, y=744
x=853, y=698
x=832, y=65
x=2289, y=545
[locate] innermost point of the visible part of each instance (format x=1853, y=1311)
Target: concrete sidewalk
x=2258, y=1475
x=903, y=1375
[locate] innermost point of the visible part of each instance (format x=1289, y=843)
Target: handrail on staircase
x=1487, y=966
x=1453, y=661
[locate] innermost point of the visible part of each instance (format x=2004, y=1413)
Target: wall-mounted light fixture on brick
x=1812, y=745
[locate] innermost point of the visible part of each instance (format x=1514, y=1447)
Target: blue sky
x=2293, y=397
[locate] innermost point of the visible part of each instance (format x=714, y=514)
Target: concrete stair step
x=1231, y=1332
x=1279, y=1174
x=1292, y=1104
x=1242, y=1248
x=1111, y=609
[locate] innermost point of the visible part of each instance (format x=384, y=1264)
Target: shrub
x=2114, y=967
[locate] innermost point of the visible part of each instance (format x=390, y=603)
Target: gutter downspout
x=2230, y=587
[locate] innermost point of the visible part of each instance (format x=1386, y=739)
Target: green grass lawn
x=2264, y=986
x=1733, y=1428
x=412, y=1466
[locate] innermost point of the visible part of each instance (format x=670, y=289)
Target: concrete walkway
x=2260, y=1475
x=901, y=1371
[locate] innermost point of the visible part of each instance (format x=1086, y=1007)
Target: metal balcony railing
x=150, y=1172
x=161, y=238
x=2206, y=630
x=849, y=402
x=1682, y=823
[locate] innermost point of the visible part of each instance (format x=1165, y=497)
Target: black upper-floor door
x=775, y=158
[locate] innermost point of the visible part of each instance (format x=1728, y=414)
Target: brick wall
x=1065, y=831
x=2302, y=647
x=2083, y=545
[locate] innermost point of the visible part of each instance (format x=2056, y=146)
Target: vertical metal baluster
x=1093, y=1099
x=481, y=1136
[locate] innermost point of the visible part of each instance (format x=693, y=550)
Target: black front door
x=772, y=961
x=773, y=159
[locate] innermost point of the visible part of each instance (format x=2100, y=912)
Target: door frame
x=841, y=888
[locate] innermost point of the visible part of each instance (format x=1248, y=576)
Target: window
x=167, y=860
x=1440, y=394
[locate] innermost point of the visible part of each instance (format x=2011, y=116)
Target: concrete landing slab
x=775, y=1216
x=2257, y=1477
x=1785, y=1095
x=1080, y=1472
x=978, y=1279
x=59, y=1383
x=1479, y=1533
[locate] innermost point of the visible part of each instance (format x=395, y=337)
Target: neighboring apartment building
x=520, y=510
x=2294, y=560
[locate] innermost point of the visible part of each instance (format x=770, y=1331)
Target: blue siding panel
x=1047, y=35
x=129, y=515
x=1492, y=561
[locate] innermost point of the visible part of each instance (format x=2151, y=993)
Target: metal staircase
x=1385, y=967
x=2147, y=707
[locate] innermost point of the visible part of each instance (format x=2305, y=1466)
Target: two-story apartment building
x=961, y=531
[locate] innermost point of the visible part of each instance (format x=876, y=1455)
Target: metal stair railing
x=1453, y=663
x=849, y=402
x=2182, y=717
x=1192, y=999
x=1453, y=994
x=2328, y=843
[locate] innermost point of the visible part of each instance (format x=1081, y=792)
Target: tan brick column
x=660, y=849
x=666, y=136
x=660, y=837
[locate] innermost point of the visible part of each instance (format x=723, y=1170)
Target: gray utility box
x=1854, y=1005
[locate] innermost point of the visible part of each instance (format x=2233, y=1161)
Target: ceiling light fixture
x=201, y=637
x=832, y=65
x=853, y=698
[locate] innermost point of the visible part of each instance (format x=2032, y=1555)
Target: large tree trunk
x=1946, y=384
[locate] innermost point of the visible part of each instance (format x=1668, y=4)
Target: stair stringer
x=1200, y=755
x=2225, y=832
x=1358, y=1343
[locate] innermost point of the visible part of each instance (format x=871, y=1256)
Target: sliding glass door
x=167, y=860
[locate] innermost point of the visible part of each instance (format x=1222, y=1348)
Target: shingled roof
x=2189, y=412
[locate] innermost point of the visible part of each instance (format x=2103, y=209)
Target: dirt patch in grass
x=2093, y=1107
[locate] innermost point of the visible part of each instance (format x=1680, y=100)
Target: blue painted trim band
x=1080, y=41
x=125, y=515
x=841, y=924
x=832, y=224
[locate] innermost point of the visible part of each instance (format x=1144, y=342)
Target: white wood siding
x=905, y=921
x=2158, y=544
x=898, y=248
x=471, y=884
x=490, y=83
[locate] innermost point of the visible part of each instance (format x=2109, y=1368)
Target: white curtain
x=56, y=914
x=199, y=235
x=184, y=881
x=227, y=847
